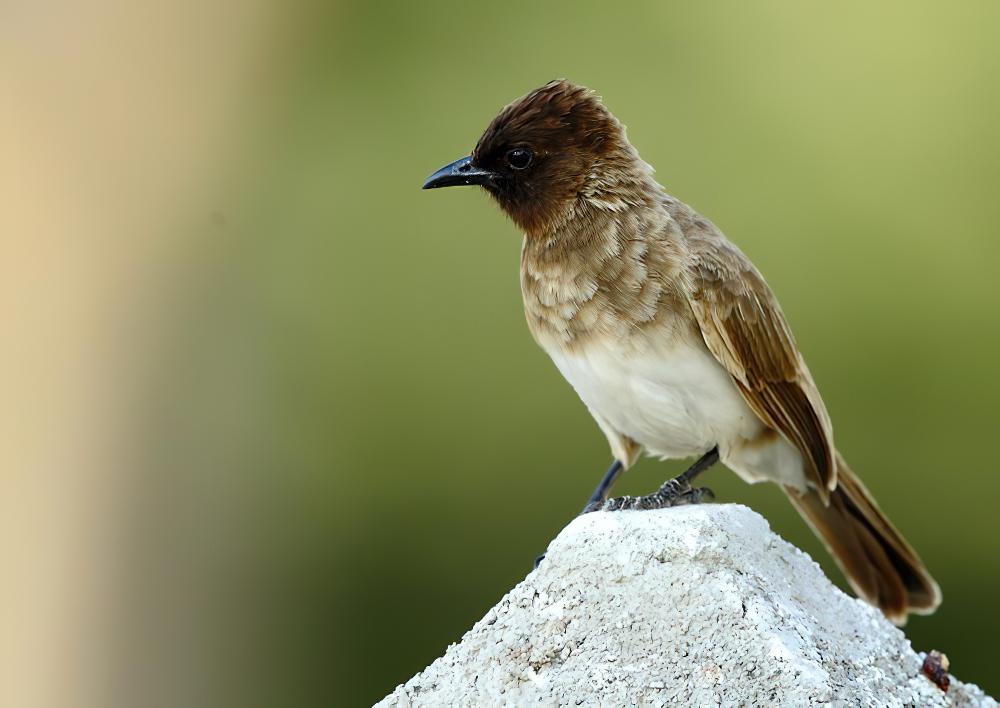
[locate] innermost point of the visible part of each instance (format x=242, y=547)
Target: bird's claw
x=593, y=506
x=674, y=492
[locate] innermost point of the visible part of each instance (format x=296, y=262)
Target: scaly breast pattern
x=606, y=275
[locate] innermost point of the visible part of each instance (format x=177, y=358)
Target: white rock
x=698, y=605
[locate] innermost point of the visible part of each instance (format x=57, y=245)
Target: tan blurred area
x=119, y=123
x=273, y=431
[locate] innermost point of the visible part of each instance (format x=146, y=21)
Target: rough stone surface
x=692, y=606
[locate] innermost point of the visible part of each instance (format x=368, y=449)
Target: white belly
x=675, y=402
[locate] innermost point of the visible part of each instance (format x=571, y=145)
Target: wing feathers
x=744, y=328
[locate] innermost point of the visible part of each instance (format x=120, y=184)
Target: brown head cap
x=551, y=148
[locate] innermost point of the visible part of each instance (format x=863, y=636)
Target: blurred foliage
x=416, y=450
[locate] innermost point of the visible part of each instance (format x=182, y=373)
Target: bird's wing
x=744, y=328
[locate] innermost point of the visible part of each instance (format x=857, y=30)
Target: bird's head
x=547, y=151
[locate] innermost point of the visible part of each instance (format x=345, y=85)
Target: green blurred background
x=421, y=449
x=358, y=448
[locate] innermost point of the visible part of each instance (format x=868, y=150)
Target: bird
x=670, y=335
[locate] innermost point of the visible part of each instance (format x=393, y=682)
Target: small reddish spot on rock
x=936, y=667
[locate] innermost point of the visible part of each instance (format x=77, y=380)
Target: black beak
x=460, y=172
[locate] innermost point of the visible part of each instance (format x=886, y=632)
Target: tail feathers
x=878, y=562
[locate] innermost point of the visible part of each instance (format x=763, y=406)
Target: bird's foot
x=594, y=505
x=674, y=492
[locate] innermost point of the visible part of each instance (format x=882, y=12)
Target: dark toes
x=705, y=494
x=616, y=504
x=693, y=496
x=672, y=493
x=673, y=489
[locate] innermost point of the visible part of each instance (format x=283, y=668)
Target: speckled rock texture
x=693, y=606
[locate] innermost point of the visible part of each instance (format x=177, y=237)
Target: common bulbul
x=669, y=333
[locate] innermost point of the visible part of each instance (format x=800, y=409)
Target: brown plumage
x=668, y=332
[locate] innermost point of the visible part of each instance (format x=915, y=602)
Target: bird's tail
x=878, y=562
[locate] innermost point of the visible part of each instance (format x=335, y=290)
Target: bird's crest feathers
x=579, y=152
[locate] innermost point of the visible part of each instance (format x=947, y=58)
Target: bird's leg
x=674, y=492
x=600, y=494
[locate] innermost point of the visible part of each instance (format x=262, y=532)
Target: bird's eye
x=519, y=158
